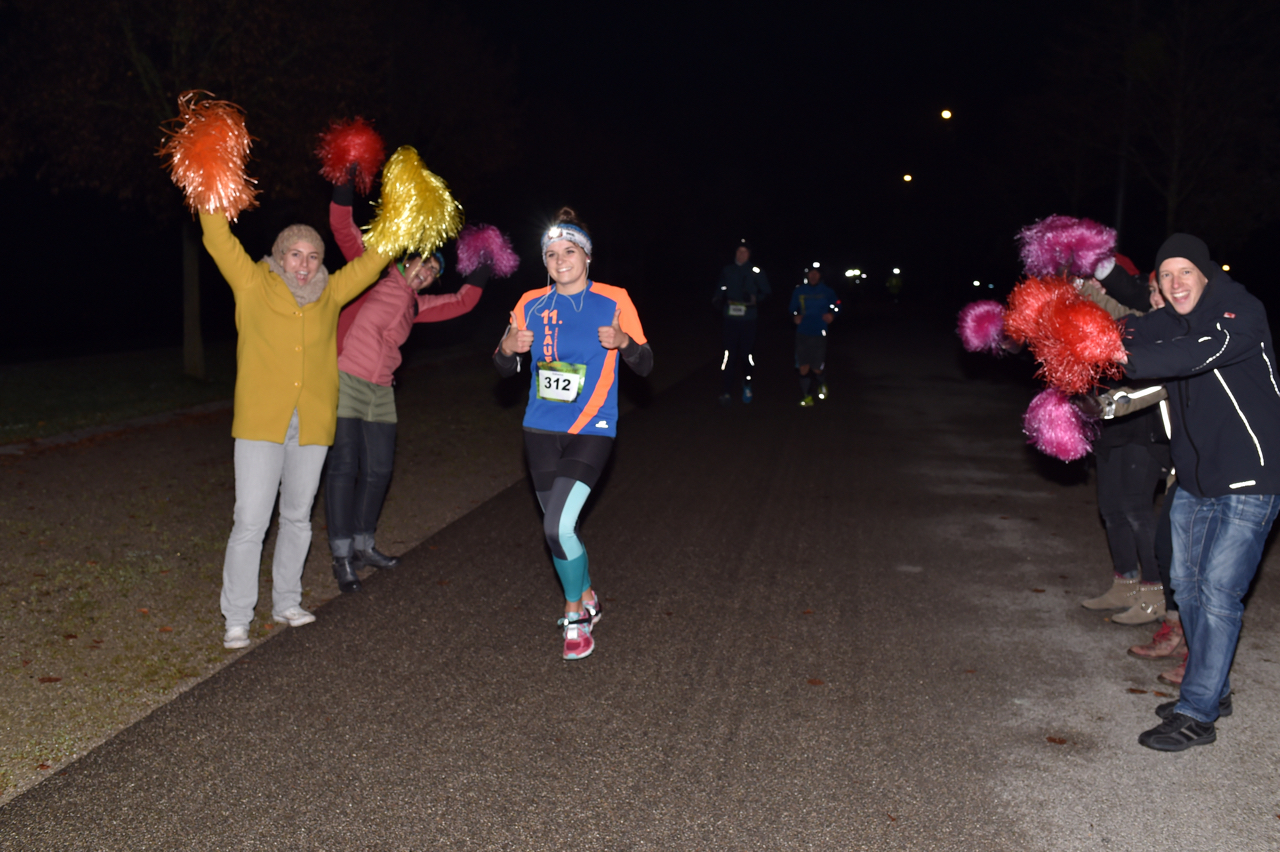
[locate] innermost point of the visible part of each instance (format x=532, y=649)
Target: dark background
x=673, y=131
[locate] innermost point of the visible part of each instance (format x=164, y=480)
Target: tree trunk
x=192, y=340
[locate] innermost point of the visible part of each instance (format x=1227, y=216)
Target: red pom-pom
x=351, y=142
x=206, y=152
x=1029, y=300
x=1078, y=343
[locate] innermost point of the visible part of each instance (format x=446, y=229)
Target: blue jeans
x=1217, y=544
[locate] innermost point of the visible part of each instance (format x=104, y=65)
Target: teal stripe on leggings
x=573, y=572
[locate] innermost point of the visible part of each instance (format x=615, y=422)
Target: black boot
x=344, y=571
x=373, y=559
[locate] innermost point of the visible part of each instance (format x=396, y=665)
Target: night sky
x=673, y=131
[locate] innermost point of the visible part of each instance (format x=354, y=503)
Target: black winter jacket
x=1219, y=367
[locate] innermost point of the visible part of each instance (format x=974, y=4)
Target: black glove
x=344, y=194
x=480, y=275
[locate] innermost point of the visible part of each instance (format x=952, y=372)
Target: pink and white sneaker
x=577, y=635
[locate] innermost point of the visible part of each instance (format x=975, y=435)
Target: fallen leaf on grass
x=268, y=626
x=44, y=766
x=26, y=663
x=166, y=629
x=892, y=818
x=668, y=613
x=970, y=671
x=813, y=681
x=1056, y=740
x=70, y=636
x=144, y=610
x=92, y=562
x=807, y=612
x=1159, y=694
x=1137, y=691
x=442, y=582
x=1037, y=591
x=50, y=679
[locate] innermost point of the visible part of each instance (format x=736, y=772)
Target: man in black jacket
x=741, y=288
x=1212, y=344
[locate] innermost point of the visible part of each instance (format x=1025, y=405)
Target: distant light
x=816, y=264
x=907, y=178
x=849, y=273
x=864, y=275
x=977, y=283
x=755, y=269
x=991, y=286
x=857, y=272
x=946, y=113
x=897, y=271
x=1226, y=267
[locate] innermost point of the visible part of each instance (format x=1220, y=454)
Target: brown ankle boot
x=1173, y=677
x=1148, y=606
x=1119, y=596
x=1167, y=642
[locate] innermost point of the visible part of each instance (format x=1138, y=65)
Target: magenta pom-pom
x=981, y=327
x=1057, y=428
x=484, y=244
x=348, y=143
x=1065, y=245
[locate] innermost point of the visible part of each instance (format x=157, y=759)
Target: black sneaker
x=1165, y=710
x=1178, y=733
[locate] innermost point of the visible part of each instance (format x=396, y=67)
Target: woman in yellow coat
x=286, y=402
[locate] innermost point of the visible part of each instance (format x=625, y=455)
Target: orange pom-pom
x=348, y=143
x=207, y=149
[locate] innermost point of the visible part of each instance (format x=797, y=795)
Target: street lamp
x=946, y=113
x=906, y=178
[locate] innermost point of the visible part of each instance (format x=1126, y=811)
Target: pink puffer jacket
x=372, y=328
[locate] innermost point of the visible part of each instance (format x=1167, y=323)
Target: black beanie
x=1193, y=249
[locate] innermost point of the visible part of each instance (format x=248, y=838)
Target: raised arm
x=233, y=261
x=437, y=308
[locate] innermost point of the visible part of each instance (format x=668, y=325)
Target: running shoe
x=822, y=391
x=807, y=402
x=577, y=635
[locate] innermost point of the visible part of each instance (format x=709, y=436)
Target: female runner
x=576, y=327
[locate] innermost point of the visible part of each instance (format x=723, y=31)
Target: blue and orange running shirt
x=574, y=382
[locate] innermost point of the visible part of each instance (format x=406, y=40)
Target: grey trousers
x=262, y=469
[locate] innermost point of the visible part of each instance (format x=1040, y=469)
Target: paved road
x=854, y=627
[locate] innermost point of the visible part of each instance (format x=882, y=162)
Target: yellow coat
x=286, y=356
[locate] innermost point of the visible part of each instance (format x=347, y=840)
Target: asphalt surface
x=851, y=627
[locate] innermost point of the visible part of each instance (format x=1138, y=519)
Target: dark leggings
x=739, y=338
x=359, y=471
x=1127, y=480
x=564, y=469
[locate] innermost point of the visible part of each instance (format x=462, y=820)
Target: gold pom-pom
x=416, y=212
x=206, y=152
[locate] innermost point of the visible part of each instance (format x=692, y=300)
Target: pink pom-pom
x=484, y=244
x=351, y=142
x=981, y=327
x=1063, y=244
x=1057, y=428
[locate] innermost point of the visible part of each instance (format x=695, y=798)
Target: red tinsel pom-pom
x=351, y=142
x=206, y=152
x=1078, y=343
x=1029, y=300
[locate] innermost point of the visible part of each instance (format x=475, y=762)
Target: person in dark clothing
x=741, y=289
x=1212, y=344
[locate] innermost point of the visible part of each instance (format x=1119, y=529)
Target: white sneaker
x=236, y=638
x=294, y=616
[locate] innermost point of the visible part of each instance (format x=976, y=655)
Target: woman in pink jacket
x=370, y=332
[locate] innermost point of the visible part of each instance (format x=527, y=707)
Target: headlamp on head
x=565, y=231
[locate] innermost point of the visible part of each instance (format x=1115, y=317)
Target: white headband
x=565, y=231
